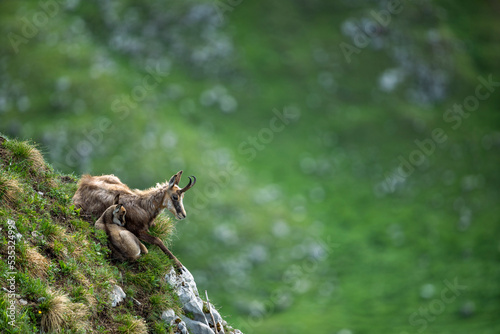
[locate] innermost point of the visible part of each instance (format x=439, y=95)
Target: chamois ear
x=117, y=199
x=175, y=179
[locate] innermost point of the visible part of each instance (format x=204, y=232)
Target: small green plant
x=31, y=288
x=50, y=230
x=59, y=249
x=159, y=327
x=53, y=272
x=79, y=294
x=68, y=267
x=61, y=197
x=190, y=315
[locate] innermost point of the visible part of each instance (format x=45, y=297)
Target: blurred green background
x=347, y=152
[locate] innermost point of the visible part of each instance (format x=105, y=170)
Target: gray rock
x=181, y=327
x=186, y=289
x=196, y=327
x=117, y=295
x=200, y=320
x=186, y=279
x=194, y=306
x=174, y=321
x=168, y=316
x=217, y=317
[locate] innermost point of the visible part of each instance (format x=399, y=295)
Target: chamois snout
x=176, y=207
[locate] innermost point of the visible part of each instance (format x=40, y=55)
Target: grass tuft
x=131, y=325
x=37, y=264
x=9, y=189
x=78, y=317
x=54, y=312
x=163, y=227
x=58, y=313
x=25, y=151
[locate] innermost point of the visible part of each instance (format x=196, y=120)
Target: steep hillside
x=57, y=274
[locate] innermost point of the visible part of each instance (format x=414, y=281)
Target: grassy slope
x=61, y=258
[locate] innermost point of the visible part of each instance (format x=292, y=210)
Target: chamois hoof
x=179, y=268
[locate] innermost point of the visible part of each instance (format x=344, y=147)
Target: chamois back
x=96, y=193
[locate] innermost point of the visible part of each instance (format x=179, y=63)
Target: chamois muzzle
x=189, y=185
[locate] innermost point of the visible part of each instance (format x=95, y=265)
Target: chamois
x=96, y=193
x=123, y=243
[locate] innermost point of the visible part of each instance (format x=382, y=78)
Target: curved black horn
x=190, y=184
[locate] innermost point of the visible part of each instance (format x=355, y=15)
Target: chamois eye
x=175, y=197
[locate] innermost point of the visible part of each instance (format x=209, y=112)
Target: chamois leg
x=115, y=252
x=143, y=248
x=145, y=236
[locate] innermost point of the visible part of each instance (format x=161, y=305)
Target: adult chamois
x=96, y=193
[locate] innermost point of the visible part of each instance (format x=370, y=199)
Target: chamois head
x=119, y=212
x=175, y=194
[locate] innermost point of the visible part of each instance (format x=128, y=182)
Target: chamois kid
x=123, y=243
x=96, y=193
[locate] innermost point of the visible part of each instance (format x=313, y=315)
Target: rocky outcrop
x=200, y=316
